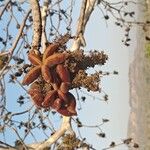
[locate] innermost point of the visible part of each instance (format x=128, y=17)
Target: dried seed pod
x=56, y=81
x=72, y=103
x=36, y=94
x=55, y=86
x=64, y=87
x=63, y=73
x=35, y=59
x=36, y=85
x=49, y=98
x=57, y=104
x=46, y=74
x=51, y=48
x=32, y=75
x=62, y=96
x=63, y=111
x=55, y=59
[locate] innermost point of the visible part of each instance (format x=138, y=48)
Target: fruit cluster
x=49, y=67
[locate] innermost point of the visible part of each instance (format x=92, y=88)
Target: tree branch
x=85, y=13
x=37, y=25
x=65, y=126
x=44, y=16
x=10, y=52
x=2, y=11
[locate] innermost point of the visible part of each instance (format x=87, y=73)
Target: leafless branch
x=4, y=8
x=66, y=125
x=5, y=146
x=4, y=53
x=86, y=11
x=44, y=16
x=37, y=24
x=15, y=43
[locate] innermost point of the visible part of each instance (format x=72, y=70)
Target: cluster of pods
x=50, y=67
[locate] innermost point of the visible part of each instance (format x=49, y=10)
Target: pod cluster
x=50, y=67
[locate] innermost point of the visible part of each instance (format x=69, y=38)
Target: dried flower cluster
x=55, y=72
x=70, y=142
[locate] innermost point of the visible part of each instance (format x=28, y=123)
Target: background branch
x=5, y=7
x=44, y=16
x=65, y=126
x=86, y=10
x=10, y=52
x=37, y=24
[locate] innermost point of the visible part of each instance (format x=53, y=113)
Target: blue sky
x=108, y=38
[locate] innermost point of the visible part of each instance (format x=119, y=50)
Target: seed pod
x=56, y=81
x=55, y=85
x=47, y=74
x=63, y=111
x=62, y=96
x=32, y=75
x=49, y=98
x=57, y=104
x=36, y=85
x=35, y=59
x=63, y=73
x=64, y=87
x=51, y=48
x=55, y=59
x=36, y=96
x=72, y=103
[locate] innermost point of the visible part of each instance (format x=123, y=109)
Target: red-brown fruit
x=63, y=73
x=62, y=96
x=57, y=104
x=55, y=59
x=47, y=74
x=51, y=48
x=56, y=81
x=72, y=103
x=36, y=94
x=32, y=75
x=63, y=111
x=64, y=87
x=49, y=98
x=35, y=59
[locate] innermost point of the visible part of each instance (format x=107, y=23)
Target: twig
x=4, y=53
x=21, y=113
x=6, y=145
x=20, y=139
x=15, y=43
x=1, y=13
x=110, y=147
